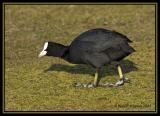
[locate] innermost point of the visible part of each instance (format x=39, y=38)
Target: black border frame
x=81, y=3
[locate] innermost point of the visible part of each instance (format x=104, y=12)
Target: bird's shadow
x=127, y=66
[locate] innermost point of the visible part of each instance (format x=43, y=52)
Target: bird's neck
x=65, y=54
x=62, y=51
x=57, y=50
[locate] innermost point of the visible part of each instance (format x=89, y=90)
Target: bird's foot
x=127, y=80
x=108, y=85
x=117, y=84
x=82, y=85
x=91, y=85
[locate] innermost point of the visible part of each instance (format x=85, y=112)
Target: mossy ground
x=46, y=84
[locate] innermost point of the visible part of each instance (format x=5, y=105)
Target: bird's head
x=44, y=51
x=52, y=49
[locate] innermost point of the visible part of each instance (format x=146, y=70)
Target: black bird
x=95, y=47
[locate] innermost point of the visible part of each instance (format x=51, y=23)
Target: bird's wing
x=113, y=49
x=118, y=51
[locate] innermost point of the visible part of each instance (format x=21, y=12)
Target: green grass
x=46, y=84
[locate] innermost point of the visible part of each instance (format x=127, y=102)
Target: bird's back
x=100, y=34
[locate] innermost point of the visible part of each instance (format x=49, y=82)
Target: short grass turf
x=46, y=84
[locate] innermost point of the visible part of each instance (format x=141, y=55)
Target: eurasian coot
x=95, y=47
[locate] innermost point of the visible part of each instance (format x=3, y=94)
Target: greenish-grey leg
x=120, y=72
x=91, y=85
x=122, y=77
x=96, y=78
x=121, y=81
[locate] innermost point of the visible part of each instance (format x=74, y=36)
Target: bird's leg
x=121, y=80
x=91, y=85
x=96, y=79
x=122, y=77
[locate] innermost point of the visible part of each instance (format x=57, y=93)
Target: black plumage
x=98, y=47
x=95, y=47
